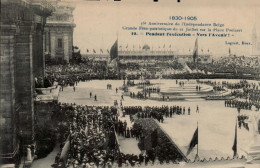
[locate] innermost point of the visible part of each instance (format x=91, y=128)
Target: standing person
x=90, y=94
x=122, y=97
x=189, y=111
x=116, y=90
x=197, y=110
x=74, y=88
x=238, y=110
x=95, y=97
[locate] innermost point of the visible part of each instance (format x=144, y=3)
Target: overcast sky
x=99, y=22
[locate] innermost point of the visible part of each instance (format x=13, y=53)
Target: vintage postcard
x=130, y=83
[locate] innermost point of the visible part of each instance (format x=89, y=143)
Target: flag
x=114, y=51
x=234, y=147
x=94, y=51
x=194, y=141
x=195, y=51
x=154, y=138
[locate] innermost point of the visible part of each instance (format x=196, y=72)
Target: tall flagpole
x=117, y=61
x=198, y=140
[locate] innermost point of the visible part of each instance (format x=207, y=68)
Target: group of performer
x=238, y=104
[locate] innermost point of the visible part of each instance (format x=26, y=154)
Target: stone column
x=53, y=44
x=47, y=40
x=44, y=42
x=38, y=55
x=66, y=47
x=25, y=81
x=7, y=91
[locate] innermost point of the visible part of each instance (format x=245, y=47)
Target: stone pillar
x=43, y=53
x=66, y=47
x=44, y=42
x=47, y=40
x=7, y=91
x=25, y=81
x=53, y=44
x=38, y=55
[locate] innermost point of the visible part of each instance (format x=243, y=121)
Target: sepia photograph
x=130, y=83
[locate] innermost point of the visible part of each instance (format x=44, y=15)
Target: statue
x=29, y=153
x=253, y=153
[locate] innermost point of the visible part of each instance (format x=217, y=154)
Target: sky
x=100, y=23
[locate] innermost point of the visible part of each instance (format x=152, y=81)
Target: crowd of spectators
x=71, y=74
x=231, y=64
x=89, y=136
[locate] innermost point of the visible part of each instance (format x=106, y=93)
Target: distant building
x=59, y=31
x=147, y=54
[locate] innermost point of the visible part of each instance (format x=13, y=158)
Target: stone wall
x=21, y=60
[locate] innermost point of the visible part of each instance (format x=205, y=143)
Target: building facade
x=145, y=54
x=59, y=31
x=22, y=61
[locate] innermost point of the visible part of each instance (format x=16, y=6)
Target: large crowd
x=232, y=64
x=91, y=136
x=69, y=74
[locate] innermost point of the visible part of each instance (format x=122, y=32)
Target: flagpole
x=198, y=140
x=235, y=141
x=117, y=55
